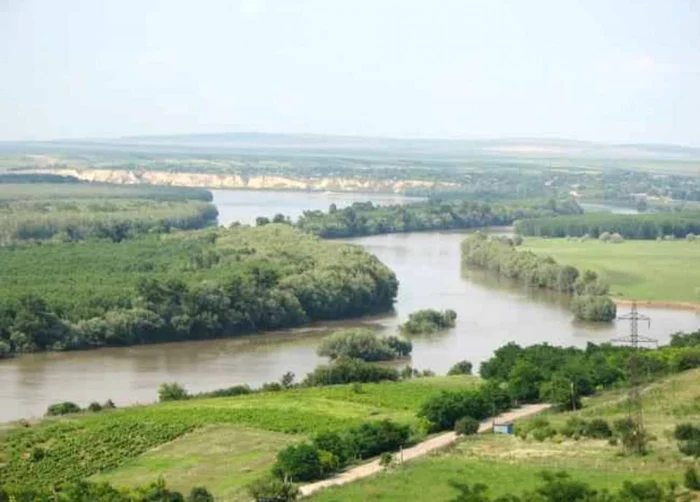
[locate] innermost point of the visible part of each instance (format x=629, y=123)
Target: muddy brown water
x=490, y=314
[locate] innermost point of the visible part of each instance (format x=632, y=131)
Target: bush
x=690, y=448
x=466, y=426
x=597, y=429
x=429, y=321
x=444, y=409
x=272, y=489
x=616, y=238
x=691, y=480
x=543, y=433
x=386, y=459
x=271, y=387
x=95, y=407
x=236, y=390
x=604, y=237
x=686, y=432
x=301, y=462
x=363, y=344
x=349, y=370
x=461, y=368
x=372, y=438
x=171, y=392
x=62, y=409
x=200, y=494
x=334, y=443
x=597, y=308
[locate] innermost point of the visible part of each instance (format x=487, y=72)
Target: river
x=490, y=314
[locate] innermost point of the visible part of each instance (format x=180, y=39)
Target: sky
x=620, y=71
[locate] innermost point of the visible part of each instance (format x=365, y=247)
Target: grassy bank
x=508, y=464
x=222, y=443
x=641, y=270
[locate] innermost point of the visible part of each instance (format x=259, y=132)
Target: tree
x=200, y=494
x=461, y=368
x=524, y=382
x=171, y=392
x=363, y=344
x=561, y=393
x=62, y=409
x=691, y=479
x=301, y=462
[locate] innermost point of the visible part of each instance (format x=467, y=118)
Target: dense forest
x=188, y=285
x=646, y=226
x=365, y=218
x=73, y=212
x=499, y=255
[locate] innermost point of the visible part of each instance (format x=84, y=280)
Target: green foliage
x=83, y=491
x=172, y=392
x=429, y=321
x=597, y=225
x=300, y=462
x=365, y=218
x=499, y=256
x=386, y=459
x=184, y=286
x=273, y=489
x=349, y=370
x=688, y=436
x=443, y=410
x=593, y=308
x=691, y=479
x=74, y=212
x=372, y=438
x=461, y=368
x=363, y=344
x=559, y=487
x=466, y=426
x=633, y=437
x=62, y=409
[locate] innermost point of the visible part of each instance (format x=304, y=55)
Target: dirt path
x=432, y=444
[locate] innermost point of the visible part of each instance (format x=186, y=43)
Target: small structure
x=503, y=427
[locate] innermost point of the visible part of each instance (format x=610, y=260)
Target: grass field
x=221, y=443
x=663, y=271
x=508, y=464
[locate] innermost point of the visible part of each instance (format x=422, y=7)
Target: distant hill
x=317, y=144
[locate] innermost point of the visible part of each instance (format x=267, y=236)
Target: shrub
x=272, y=489
x=466, y=426
x=690, y=237
x=236, y=390
x=357, y=343
x=329, y=462
x=543, y=433
x=429, y=321
x=444, y=409
x=686, y=432
x=301, y=462
x=386, y=459
x=691, y=480
x=574, y=427
x=200, y=494
x=461, y=368
x=616, y=238
x=109, y=405
x=593, y=308
x=171, y=392
x=62, y=409
x=372, y=438
x=597, y=429
x=604, y=237
x=287, y=380
x=95, y=407
x=349, y=370
x=690, y=448
x=271, y=387
x=334, y=443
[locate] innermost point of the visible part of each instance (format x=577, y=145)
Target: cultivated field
x=661, y=271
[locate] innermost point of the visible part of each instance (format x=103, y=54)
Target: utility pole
x=634, y=399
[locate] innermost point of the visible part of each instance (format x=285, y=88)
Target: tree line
x=366, y=218
x=642, y=226
x=182, y=287
x=499, y=255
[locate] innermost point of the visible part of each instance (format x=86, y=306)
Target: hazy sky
x=610, y=70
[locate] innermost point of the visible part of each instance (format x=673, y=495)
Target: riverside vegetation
x=589, y=300
x=365, y=218
x=78, y=211
x=188, y=285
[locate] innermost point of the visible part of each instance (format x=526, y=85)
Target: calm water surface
x=490, y=313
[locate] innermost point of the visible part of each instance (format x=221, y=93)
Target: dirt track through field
x=430, y=445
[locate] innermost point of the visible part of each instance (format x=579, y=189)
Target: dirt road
x=432, y=444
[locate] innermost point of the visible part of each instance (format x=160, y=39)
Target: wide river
x=490, y=314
